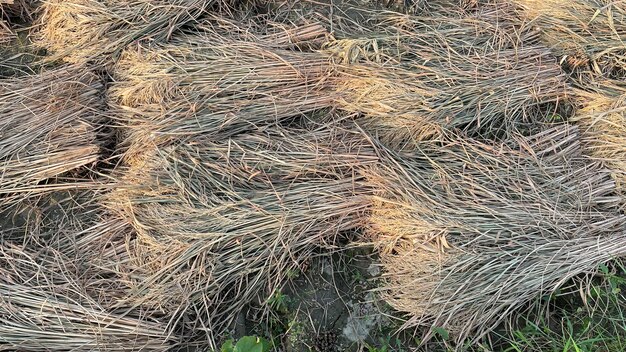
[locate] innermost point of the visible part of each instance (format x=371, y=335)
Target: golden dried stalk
x=216, y=83
x=98, y=30
x=412, y=77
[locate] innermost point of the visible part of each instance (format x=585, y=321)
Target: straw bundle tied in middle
x=220, y=223
x=49, y=126
x=470, y=231
x=215, y=84
x=413, y=76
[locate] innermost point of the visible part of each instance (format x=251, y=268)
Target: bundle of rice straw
x=583, y=33
x=220, y=223
x=602, y=122
x=217, y=82
x=49, y=126
x=59, y=289
x=469, y=232
x=96, y=30
x=44, y=306
x=413, y=76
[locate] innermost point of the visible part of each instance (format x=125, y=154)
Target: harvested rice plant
x=312, y=175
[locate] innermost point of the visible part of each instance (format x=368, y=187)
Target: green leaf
x=251, y=344
x=228, y=346
x=442, y=332
x=604, y=269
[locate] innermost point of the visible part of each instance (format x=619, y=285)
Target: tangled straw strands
x=483, y=229
x=583, y=33
x=221, y=223
x=6, y=34
x=96, y=30
x=44, y=306
x=419, y=75
x=64, y=285
x=215, y=84
x=23, y=9
x=49, y=126
x=602, y=122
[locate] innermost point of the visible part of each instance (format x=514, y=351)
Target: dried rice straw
x=217, y=84
x=583, y=33
x=602, y=122
x=469, y=232
x=96, y=30
x=44, y=306
x=49, y=127
x=413, y=76
x=221, y=223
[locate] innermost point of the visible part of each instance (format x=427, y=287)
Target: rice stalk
x=44, y=306
x=220, y=223
x=413, y=77
x=49, y=127
x=97, y=30
x=217, y=83
x=602, y=122
x=482, y=229
x=585, y=35
x=6, y=34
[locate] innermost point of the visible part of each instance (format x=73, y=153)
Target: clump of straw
x=219, y=223
x=411, y=77
x=6, y=34
x=584, y=34
x=64, y=266
x=602, y=122
x=469, y=232
x=49, y=126
x=218, y=83
x=45, y=306
x=96, y=30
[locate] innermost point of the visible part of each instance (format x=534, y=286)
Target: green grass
x=590, y=321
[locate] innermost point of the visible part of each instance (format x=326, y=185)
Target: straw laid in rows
x=584, y=34
x=412, y=76
x=49, y=126
x=470, y=231
x=97, y=30
x=217, y=83
x=220, y=223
